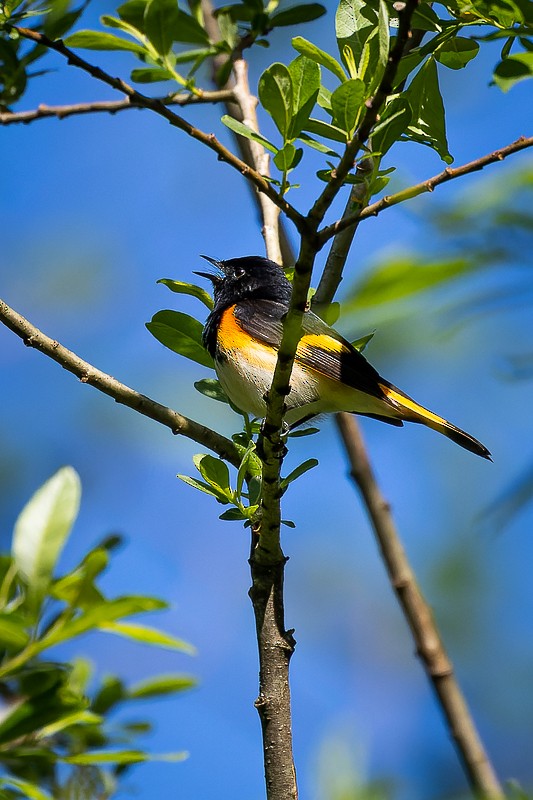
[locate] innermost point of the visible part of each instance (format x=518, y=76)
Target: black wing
x=321, y=348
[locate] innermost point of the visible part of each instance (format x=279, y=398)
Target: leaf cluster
x=54, y=727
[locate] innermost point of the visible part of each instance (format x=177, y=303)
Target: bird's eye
x=238, y=272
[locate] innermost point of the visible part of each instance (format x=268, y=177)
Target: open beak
x=209, y=275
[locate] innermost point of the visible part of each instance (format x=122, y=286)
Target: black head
x=246, y=278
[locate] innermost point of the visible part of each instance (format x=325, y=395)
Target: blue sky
x=95, y=210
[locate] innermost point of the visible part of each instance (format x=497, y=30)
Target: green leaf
x=120, y=757
x=77, y=587
x=99, y=615
x=151, y=75
x=133, y=13
x=322, y=148
x=202, y=487
x=303, y=432
x=111, y=693
x=457, y=52
x=35, y=712
x=513, y=69
x=146, y=635
x=42, y=529
x=285, y=157
x=399, y=278
x=210, y=387
x=97, y=40
x=299, y=471
x=428, y=124
x=180, y=287
x=214, y=471
x=347, y=102
x=182, y=334
x=77, y=718
x=425, y=19
x=161, y=685
x=13, y=634
x=29, y=790
x=297, y=14
x=160, y=18
x=233, y=515
x=361, y=343
x=363, y=39
x=276, y=96
x=324, y=129
x=394, y=121
x=318, y=56
x=248, y=133
x=186, y=29
x=305, y=78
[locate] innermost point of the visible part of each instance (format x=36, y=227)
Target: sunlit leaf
x=29, y=790
x=98, y=40
x=347, y=102
x=319, y=56
x=457, y=52
x=428, y=124
x=161, y=685
x=42, y=529
x=276, y=96
x=513, y=69
x=121, y=757
x=305, y=77
x=248, y=133
x=180, y=287
x=182, y=334
x=146, y=635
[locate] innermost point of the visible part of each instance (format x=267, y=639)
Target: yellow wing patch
x=323, y=342
x=406, y=402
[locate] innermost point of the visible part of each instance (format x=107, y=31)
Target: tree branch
x=109, y=106
x=121, y=393
x=419, y=617
x=428, y=185
x=154, y=104
x=324, y=201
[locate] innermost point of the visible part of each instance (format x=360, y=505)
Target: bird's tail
x=410, y=411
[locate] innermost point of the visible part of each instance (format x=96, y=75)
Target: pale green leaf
x=146, y=635
x=347, y=103
x=305, y=77
x=180, y=287
x=248, y=133
x=319, y=56
x=30, y=790
x=161, y=685
x=42, y=529
x=98, y=40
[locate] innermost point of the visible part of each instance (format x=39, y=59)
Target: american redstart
x=243, y=334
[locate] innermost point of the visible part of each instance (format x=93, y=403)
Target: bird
x=243, y=334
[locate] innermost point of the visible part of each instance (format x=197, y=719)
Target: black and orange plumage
x=243, y=334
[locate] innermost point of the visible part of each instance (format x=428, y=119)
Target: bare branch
x=121, y=393
x=428, y=185
x=417, y=612
x=44, y=111
x=154, y=104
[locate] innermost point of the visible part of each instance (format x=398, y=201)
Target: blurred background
x=95, y=209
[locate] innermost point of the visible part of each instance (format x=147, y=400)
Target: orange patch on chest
x=230, y=334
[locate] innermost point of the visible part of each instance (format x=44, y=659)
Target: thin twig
x=44, y=111
x=121, y=393
x=418, y=614
x=154, y=104
x=428, y=185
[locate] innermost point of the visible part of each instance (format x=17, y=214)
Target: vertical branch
x=419, y=617
x=275, y=644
